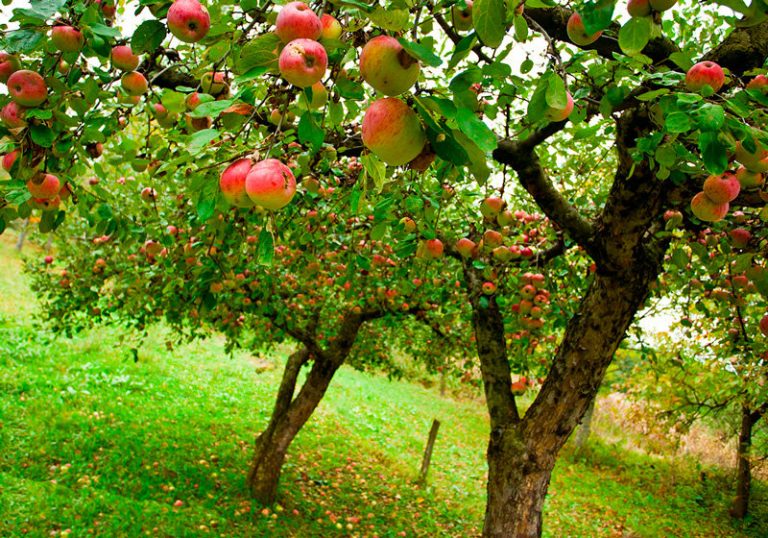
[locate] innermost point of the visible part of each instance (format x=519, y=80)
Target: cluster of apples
x=534, y=300
x=268, y=183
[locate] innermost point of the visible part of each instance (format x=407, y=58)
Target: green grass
x=94, y=443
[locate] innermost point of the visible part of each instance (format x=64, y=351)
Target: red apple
x=12, y=116
x=270, y=184
x=560, y=114
x=705, y=74
x=466, y=247
x=430, y=249
x=722, y=188
x=9, y=64
x=492, y=238
x=392, y=130
x=297, y=21
x=124, y=59
x=462, y=17
x=44, y=186
x=214, y=83
x=188, y=20
x=489, y=288
x=67, y=38
x=491, y=207
x=303, y=62
x=134, y=83
x=756, y=161
x=638, y=8
x=387, y=66
x=749, y=179
x=740, y=237
x=577, y=33
x=9, y=159
x=764, y=325
x=27, y=88
x=331, y=27
x=707, y=210
x=760, y=82
x=232, y=183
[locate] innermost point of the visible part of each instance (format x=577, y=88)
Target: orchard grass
x=94, y=443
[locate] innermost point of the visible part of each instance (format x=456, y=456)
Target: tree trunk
x=522, y=452
x=582, y=434
x=740, y=505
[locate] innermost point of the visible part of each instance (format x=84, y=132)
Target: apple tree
x=607, y=115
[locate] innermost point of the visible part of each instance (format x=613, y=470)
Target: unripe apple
x=466, y=248
x=638, y=8
x=760, y=82
x=756, y=161
x=705, y=74
x=123, y=58
x=319, y=96
x=707, y=210
x=740, y=237
x=296, y=21
x=232, y=183
x=560, y=114
x=67, y=39
x=662, y=5
x=270, y=184
x=9, y=159
x=134, y=83
x=577, y=33
x=62, y=67
x=764, y=325
x=214, y=83
x=491, y=207
x=749, y=179
x=188, y=20
x=331, y=27
x=303, y=62
x=492, y=238
x=462, y=18
x=44, y=186
x=722, y=188
x=387, y=66
x=502, y=254
x=12, y=116
x=27, y=88
x=9, y=64
x=392, y=130
x=408, y=224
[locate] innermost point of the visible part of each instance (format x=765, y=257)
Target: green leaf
x=260, y=52
x=678, y=122
x=521, y=28
x=22, y=41
x=350, y=89
x=42, y=135
x=265, y=252
x=421, y=52
x=376, y=169
x=198, y=141
x=41, y=9
x=597, y=15
x=635, y=34
x=714, y=152
x=310, y=133
x=556, y=95
x=476, y=130
x=213, y=108
x=489, y=19
x=105, y=31
x=389, y=19
x=650, y=96
x=462, y=50
x=709, y=117
x=148, y=36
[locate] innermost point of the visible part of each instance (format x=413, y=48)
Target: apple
x=27, y=88
x=192, y=101
x=466, y=248
x=319, y=96
x=123, y=58
x=705, y=74
x=431, y=249
x=303, y=62
x=44, y=186
x=9, y=64
x=67, y=38
x=662, y=5
x=740, y=237
x=392, y=131
x=764, y=325
x=270, y=184
x=62, y=67
x=9, y=159
x=214, y=83
x=577, y=33
x=560, y=114
x=638, y=8
x=756, y=161
x=297, y=21
x=12, y=116
x=491, y=206
x=148, y=194
x=134, y=83
x=760, y=82
x=492, y=238
x=95, y=150
x=408, y=224
x=489, y=288
x=749, y=179
x=232, y=183
x=707, y=210
x=48, y=260
x=188, y=20
x=108, y=9
x=462, y=18
x=331, y=28
x=387, y=66
x=722, y=188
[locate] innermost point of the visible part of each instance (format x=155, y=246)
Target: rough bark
x=749, y=418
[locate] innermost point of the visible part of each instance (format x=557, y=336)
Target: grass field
x=95, y=444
